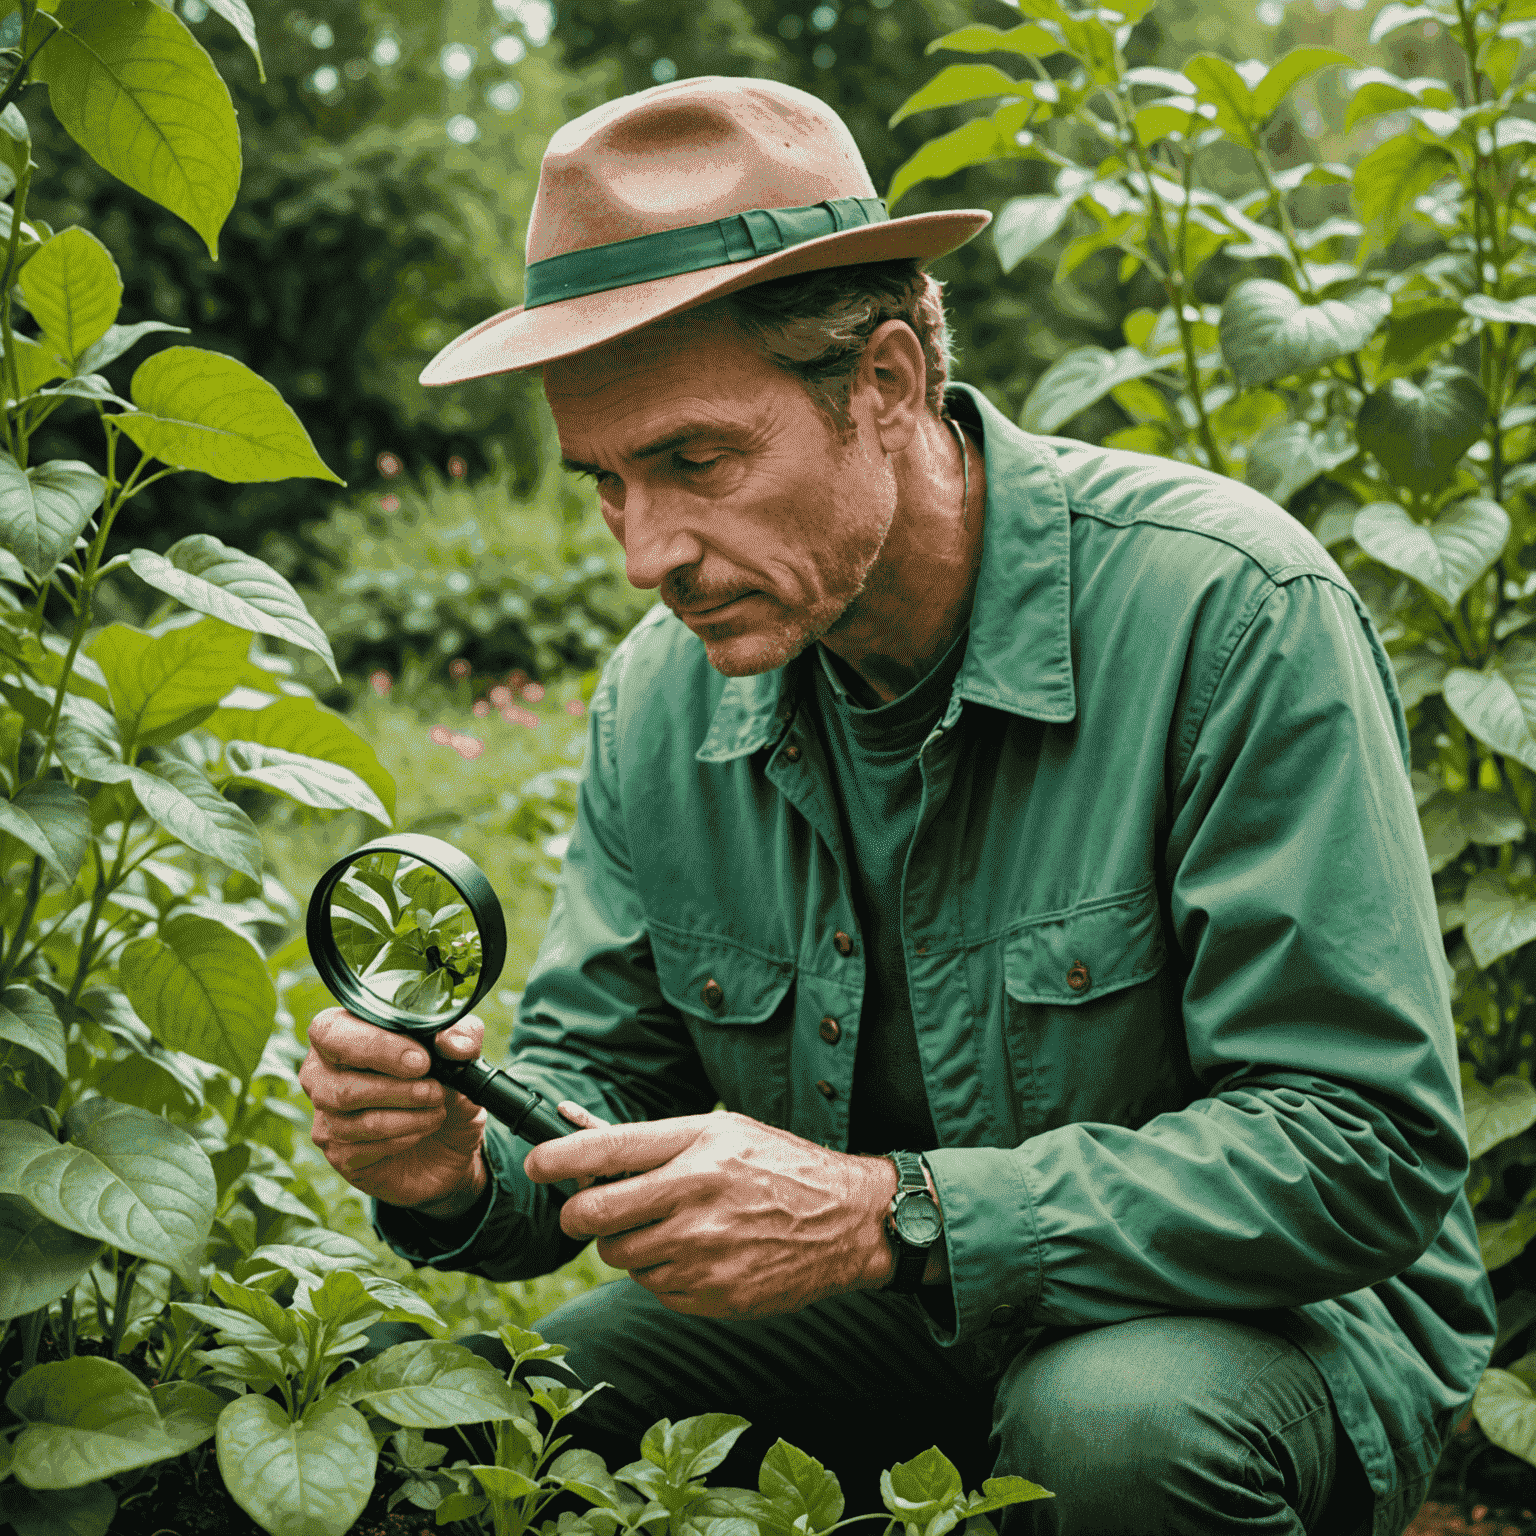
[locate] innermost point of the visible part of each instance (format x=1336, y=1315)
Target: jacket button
x=1078, y=977
x=713, y=993
x=830, y=1031
x=842, y=943
x=825, y=1089
x=1002, y=1316
x=791, y=753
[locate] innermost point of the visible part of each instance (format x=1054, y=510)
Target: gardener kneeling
x=1016, y=837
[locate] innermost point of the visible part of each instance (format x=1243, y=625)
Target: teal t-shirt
x=872, y=754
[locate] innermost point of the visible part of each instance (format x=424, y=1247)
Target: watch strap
x=911, y=1260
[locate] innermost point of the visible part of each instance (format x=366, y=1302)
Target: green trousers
x=1171, y=1425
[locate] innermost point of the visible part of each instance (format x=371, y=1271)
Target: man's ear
x=892, y=382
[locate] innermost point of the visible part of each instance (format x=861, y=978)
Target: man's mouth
x=699, y=613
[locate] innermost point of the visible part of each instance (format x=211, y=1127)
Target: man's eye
x=698, y=464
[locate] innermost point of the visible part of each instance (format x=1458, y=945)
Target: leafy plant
x=1356, y=342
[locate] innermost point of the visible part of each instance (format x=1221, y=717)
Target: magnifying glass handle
x=524, y=1112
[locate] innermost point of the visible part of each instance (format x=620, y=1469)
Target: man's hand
x=724, y=1216
x=387, y=1128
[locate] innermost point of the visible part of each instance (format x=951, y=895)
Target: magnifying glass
x=407, y=933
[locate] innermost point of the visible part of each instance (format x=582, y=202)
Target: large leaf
x=1418, y=432
x=797, y=1488
x=307, y=1479
x=915, y=1491
x=1024, y=224
x=206, y=574
x=1284, y=76
x=53, y=821
x=162, y=685
x=36, y=365
x=1029, y=40
x=238, y=14
x=1415, y=338
x=66, y=1512
x=89, y=1418
x=1496, y=1111
x=1489, y=706
x=39, y=1260
x=202, y=410
x=204, y=989
x=1498, y=920
x=116, y=340
x=137, y=92
x=1268, y=332
x=303, y=726
x=1420, y=673
x=1292, y=454
x=308, y=780
x=1392, y=175
x=957, y=83
x=1079, y=379
x=1505, y=1409
x=430, y=1384
x=74, y=290
x=1446, y=556
x=1501, y=311
x=1219, y=84
x=972, y=143
x=28, y=1020
x=42, y=509
x=126, y=1177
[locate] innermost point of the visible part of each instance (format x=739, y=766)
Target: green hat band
x=738, y=237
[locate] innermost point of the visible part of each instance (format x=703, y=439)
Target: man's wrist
x=462, y=1200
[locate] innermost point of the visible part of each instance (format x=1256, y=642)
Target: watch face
x=917, y=1221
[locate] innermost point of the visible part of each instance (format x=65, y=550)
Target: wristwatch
x=913, y=1222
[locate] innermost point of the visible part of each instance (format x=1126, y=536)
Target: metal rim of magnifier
x=463, y=874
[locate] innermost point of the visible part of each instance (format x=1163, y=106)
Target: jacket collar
x=1018, y=656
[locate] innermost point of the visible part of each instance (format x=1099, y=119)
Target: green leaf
x=1395, y=15
x=312, y=1478
x=126, y=1177
x=15, y=140
x=208, y=575
x=39, y=1260
x=1292, y=454
x=1024, y=224
x=957, y=83
x=1283, y=77
x=999, y=1492
x=202, y=988
x=1505, y=1409
x=53, y=821
x=1373, y=97
x=430, y=1384
x=1488, y=705
x=133, y=87
x=693, y=1447
x=1030, y=40
x=1420, y=673
x=116, y=340
x=303, y=726
x=1500, y=311
x=1496, y=1111
x=1392, y=175
x=915, y=1491
x=42, y=509
x=202, y=410
x=27, y=1019
x=36, y=365
x=504, y=1483
x=89, y=1418
x=74, y=290
x=1079, y=379
x=1268, y=332
x=308, y=780
x=1419, y=432
x=1501, y=1242
x=1446, y=556
x=972, y=143
x=797, y=1488
x=237, y=13
x=1217, y=82
x=1414, y=339
x=162, y=685
x=1498, y=920
x=85, y=1511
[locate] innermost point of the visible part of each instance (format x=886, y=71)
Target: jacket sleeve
x=1330, y=1142
x=592, y=1027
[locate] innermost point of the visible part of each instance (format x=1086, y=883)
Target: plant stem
x=34, y=890
x=31, y=1335
x=17, y=80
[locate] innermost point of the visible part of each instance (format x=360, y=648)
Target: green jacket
x=1174, y=959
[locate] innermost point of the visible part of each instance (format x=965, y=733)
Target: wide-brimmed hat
x=680, y=194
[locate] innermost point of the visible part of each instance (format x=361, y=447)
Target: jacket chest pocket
x=738, y=1005
x=1092, y=1015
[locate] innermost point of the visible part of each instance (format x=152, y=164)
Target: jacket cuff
x=993, y=1241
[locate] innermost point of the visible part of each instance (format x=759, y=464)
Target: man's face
x=728, y=489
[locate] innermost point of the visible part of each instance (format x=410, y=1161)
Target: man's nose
x=656, y=541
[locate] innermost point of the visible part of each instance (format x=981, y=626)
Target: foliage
x=1370, y=368
x=441, y=570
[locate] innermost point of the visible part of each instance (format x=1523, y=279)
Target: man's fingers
x=605, y=1210
x=611, y=1150
x=341, y=1039
x=462, y=1039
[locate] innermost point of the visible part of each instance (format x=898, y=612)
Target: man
x=1034, y=813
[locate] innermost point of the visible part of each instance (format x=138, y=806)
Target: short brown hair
x=815, y=326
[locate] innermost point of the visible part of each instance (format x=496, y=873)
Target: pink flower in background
x=481, y=708
x=516, y=678
x=382, y=682
x=389, y=503
x=389, y=465
x=441, y=735
x=533, y=692
x=468, y=747
x=515, y=714
x=458, y=667
x=501, y=695
x=575, y=707
x=457, y=467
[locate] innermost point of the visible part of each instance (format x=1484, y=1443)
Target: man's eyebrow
x=675, y=439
